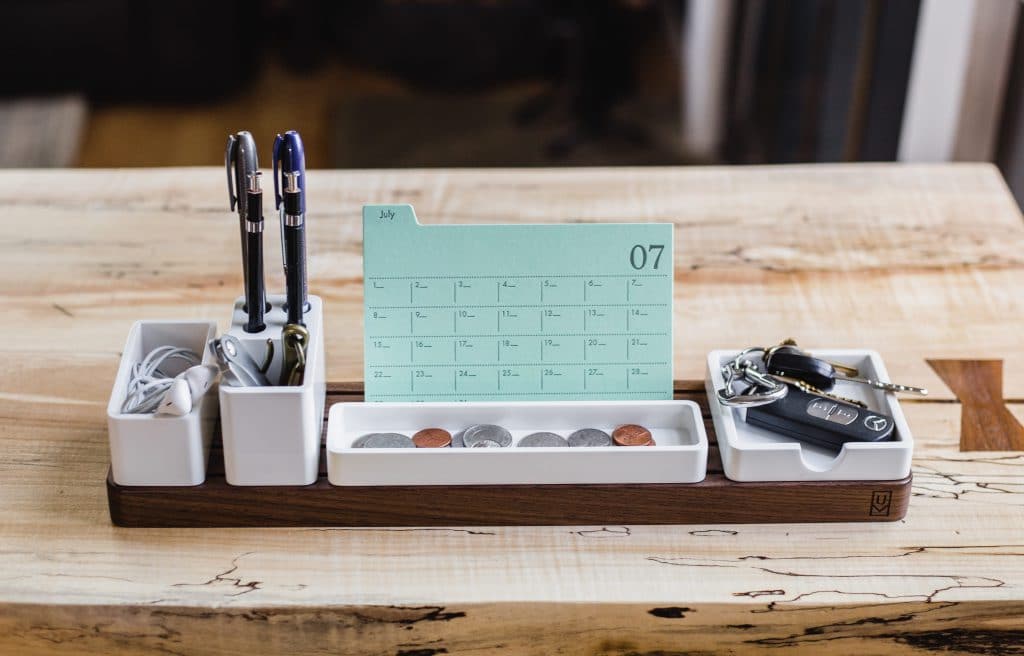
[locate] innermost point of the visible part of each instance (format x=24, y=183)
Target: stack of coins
x=432, y=438
x=486, y=436
x=590, y=437
x=632, y=435
x=492, y=436
x=543, y=439
x=383, y=441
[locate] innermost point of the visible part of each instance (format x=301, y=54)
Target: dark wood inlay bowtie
x=986, y=424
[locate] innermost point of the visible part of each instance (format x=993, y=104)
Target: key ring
x=238, y=367
x=760, y=390
x=294, y=340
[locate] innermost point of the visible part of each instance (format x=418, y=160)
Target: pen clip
x=277, y=165
x=289, y=158
x=230, y=156
x=284, y=254
x=278, y=140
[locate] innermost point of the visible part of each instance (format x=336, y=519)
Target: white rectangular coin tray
x=680, y=454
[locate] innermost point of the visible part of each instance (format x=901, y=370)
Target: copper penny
x=432, y=438
x=632, y=435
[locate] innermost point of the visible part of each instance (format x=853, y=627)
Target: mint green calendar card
x=574, y=311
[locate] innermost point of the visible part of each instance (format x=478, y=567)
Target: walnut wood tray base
x=715, y=500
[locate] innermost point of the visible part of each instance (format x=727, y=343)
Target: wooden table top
x=917, y=262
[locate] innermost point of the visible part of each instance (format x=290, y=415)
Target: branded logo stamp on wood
x=881, y=501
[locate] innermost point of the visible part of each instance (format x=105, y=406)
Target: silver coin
x=386, y=441
x=360, y=442
x=457, y=442
x=481, y=432
x=590, y=437
x=543, y=439
x=485, y=444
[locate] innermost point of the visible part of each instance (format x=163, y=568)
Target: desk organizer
x=750, y=453
x=680, y=454
x=147, y=449
x=714, y=500
x=271, y=435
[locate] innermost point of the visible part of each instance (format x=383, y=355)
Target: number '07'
x=639, y=256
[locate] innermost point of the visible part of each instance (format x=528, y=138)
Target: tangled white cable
x=152, y=390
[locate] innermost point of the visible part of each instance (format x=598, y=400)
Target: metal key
x=811, y=389
x=798, y=364
x=883, y=385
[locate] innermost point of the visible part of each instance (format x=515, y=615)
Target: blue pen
x=290, y=199
x=290, y=196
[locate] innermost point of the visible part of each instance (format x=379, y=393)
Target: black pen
x=240, y=161
x=255, y=293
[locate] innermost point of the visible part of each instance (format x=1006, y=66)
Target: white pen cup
x=272, y=434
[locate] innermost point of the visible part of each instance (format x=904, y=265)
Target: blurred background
x=442, y=83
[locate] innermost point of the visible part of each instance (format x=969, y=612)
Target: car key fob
x=820, y=420
x=790, y=362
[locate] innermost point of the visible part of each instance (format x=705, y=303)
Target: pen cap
x=240, y=161
x=289, y=156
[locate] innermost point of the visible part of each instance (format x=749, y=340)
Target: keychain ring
x=753, y=400
x=770, y=390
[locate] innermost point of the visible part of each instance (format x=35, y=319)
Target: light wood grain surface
x=915, y=261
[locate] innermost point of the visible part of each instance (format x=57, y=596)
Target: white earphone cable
x=148, y=382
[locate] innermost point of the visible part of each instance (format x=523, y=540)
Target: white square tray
x=750, y=453
x=150, y=449
x=679, y=457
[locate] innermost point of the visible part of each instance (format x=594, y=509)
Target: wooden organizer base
x=715, y=500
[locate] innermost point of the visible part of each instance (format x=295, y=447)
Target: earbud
x=187, y=389
x=177, y=399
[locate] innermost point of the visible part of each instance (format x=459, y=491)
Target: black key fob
x=795, y=364
x=820, y=420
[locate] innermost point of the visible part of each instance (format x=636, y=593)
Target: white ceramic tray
x=679, y=457
x=272, y=434
x=148, y=449
x=750, y=453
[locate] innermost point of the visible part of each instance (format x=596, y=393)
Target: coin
x=590, y=437
x=432, y=438
x=457, y=440
x=385, y=441
x=360, y=442
x=485, y=444
x=480, y=432
x=543, y=439
x=632, y=435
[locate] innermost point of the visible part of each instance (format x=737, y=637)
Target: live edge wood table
x=920, y=262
